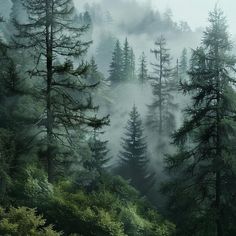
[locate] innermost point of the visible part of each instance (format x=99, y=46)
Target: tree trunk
x=49, y=39
x=219, y=230
x=160, y=92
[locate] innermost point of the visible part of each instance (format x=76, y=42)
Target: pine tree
x=160, y=117
x=104, y=52
x=92, y=73
x=202, y=190
x=14, y=117
x=99, y=157
x=126, y=63
x=50, y=34
x=132, y=65
x=116, y=74
x=143, y=72
x=6, y=143
x=87, y=19
x=134, y=156
x=183, y=66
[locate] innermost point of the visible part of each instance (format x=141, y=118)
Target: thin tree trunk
x=49, y=157
x=219, y=230
x=160, y=91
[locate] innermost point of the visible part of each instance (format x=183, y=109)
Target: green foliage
x=23, y=221
x=143, y=72
x=122, y=67
x=134, y=159
x=114, y=209
x=203, y=183
x=37, y=188
x=161, y=118
x=61, y=89
x=116, y=65
x=7, y=150
x=183, y=66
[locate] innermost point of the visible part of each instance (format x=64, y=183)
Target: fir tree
x=202, y=190
x=160, y=117
x=50, y=34
x=87, y=19
x=183, y=66
x=104, y=52
x=99, y=157
x=14, y=117
x=132, y=65
x=126, y=62
x=134, y=156
x=143, y=72
x=93, y=74
x=116, y=74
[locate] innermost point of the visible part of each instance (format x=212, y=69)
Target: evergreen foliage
x=134, y=156
x=202, y=189
x=99, y=157
x=51, y=35
x=116, y=73
x=143, y=72
x=23, y=221
x=183, y=67
x=160, y=117
x=114, y=209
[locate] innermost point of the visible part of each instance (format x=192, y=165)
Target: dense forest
x=112, y=126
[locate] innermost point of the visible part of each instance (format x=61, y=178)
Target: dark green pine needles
x=134, y=156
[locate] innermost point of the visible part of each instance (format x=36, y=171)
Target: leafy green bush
x=23, y=221
x=114, y=209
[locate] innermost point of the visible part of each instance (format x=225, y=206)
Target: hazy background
x=195, y=12
x=139, y=21
x=129, y=20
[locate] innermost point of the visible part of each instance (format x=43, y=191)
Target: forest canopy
x=115, y=129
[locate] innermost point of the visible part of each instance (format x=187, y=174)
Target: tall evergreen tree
x=92, y=73
x=143, y=72
x=14, y=117
x=132, y=65
x=126, y=61
x=116, y=74
x=183, y=65
x=99, y=157
x=104, y=52
x=160, y=117
x=51, y=35
x=134, y=156
x=202, y=190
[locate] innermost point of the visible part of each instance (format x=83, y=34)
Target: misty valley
x=116, y=119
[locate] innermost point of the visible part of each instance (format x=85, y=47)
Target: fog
x=192, y=11
x=129, y=21
x=141, y=22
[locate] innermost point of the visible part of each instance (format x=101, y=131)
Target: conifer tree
x=143, y=72
x=202, y=190
x=104, y=52
x=160, y=117
x=116, y=74
x=126, y=61
x=14, y=117
x=183, y=65
x=134, y=158
x=49, y=34
x=132, y=65
x=92, y=73
x=99, y=157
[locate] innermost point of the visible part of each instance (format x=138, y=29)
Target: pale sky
x=195, y=12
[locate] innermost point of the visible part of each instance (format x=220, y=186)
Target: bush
x=23, y=221
x=114, y=209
